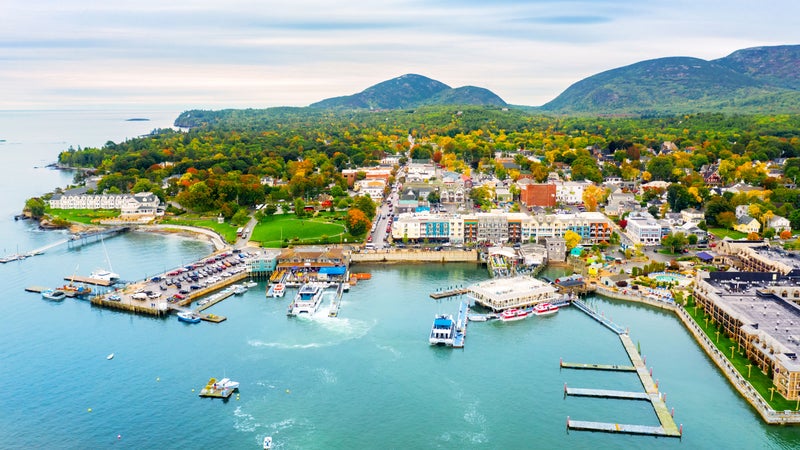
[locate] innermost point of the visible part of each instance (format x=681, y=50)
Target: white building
x=518, y=292
x=570, y=192
x=779, y=224
x=643, y=229
x=141, y=204
x=372, y=187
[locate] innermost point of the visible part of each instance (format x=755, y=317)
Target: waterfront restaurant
x=506, y=293
x=748, y=306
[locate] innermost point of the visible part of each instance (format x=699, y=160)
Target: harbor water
x=365, y=379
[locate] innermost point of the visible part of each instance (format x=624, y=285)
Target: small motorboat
x=54, y=294
x=267, y=442
x=227, y=383
x=188, y=317
x=111, y=356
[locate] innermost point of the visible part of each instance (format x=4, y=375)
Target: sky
x=60, y=54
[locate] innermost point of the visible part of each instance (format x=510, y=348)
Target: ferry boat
x=278, y=290
x=443, y=330
x=188, y=317
x=545, y=308
x=307, y=300
x=513, y=314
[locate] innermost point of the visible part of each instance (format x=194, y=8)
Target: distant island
x=137, y=119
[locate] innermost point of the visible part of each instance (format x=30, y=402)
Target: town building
x=747, y=224
x=750, y=309
x=757, y=256
x=534, y=194
x=692, y=215
x=644, y=229
x=139, y=204
x=505, y=293
x=374, y=188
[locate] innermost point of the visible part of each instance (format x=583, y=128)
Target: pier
x=668, y=428
x=599, y=317
x=449, y=293
x=74, y=241
x=461, y=326
x=608, y=367
x=336, y=303
x=203, y=316
x=605, y=393
x=623, y=428
x=87, y=280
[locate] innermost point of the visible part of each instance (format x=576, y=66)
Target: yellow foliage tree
x=572, y=238
x=753, y=236
x=592, y=195
x=647, y=176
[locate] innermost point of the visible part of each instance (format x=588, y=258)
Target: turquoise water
x=367, y=379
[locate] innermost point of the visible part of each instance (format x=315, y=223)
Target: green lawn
x=226, y=230
x=85, y=216
x=760, y=381
x=722, y=232
x=274, y=231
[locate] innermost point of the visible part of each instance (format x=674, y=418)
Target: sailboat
x=103, y=274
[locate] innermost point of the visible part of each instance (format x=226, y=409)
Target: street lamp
x=749, y=366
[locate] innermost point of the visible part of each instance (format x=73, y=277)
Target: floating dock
x=605, y=393
x=216, y=298
x=36, y=289
x=623, y=428
x=87, y=280
x=336, y=303
x=609, y=367
x=213, y=392
x=449, y=293
x=203, y=316
x=461, y=326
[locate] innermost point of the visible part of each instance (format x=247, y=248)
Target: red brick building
x=538, y=195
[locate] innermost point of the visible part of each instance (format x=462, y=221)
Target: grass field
x=722, y=232
x=226, y=230
x=85, y=216
x=274, y=231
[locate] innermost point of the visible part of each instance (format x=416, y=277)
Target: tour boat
x=278, y=290
x=443, y=330
x=513, y=314
x=307, y=300
x=267, y=442
x=188, y=317
x=53, y=294
x=545, y=308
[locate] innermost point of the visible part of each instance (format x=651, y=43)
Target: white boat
x=226, y=383
x=307, y=300
x=545, y=308
x=111, y=356
x=443, y=330
x=478, y=317
x=267, y=442
x=188, y=317
x=239, y=289
x=278, y=290
x=104, y=275
x=513, y=314
x=54, y=294
x=250, y=284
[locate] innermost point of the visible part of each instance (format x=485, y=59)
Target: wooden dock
x=87, y=280
x=609, y=367
x=216, y=298
x=623, y=428
x=449, y=293
x=605, y=393
x=203, y=316
x=36, y=289
x=336, y=302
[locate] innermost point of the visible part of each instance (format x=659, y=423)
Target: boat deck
x=610, y=367
x=449, y=293
x=623, y=428
x=87, y=280
x=606, y=393
x=210, y=391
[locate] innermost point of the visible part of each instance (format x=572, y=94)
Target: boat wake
x=285, y=346
x=244, y=421
x=326, y=376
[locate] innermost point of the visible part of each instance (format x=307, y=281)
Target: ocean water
x=366, y=379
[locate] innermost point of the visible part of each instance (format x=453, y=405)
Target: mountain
x=762, y=79
x=410, y=90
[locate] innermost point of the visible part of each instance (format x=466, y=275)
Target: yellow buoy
x=192, y=390
x=89, y=410
x=158, y=379
x=288, y=391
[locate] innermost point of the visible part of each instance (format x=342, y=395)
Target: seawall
x=396, y=256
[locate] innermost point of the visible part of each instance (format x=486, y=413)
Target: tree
x=675, y=241
x=337, y=191
x=592, y=195
x=357, y=222
x=433, y=197
x=661, y=167
x=726, y=219
x=35, y=206
x=572, y=238
x=753, y=236
x=678, y=197
x=769, y=233
x=299, y=207
x=786, y=234
x=692, y=238
x=270, y=209
x=365, y=204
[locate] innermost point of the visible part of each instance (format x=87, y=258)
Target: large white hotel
x=500, y=227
